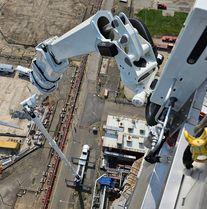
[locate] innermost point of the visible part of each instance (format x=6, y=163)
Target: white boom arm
x=108, y=35
x=111, y=36
x=29, y=105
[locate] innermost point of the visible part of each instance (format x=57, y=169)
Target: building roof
x=9, y=145
x=125, y=133
x=7, y=66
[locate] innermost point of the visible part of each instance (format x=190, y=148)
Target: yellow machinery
x=198, y=146
x=9, y=145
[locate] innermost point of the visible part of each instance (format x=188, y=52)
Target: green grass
x=159, y=25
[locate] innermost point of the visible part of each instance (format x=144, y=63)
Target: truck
x=161, y=6
x=23, y=71
x=6, y=69
x=171, y=39
x=165, y=47
x=82, y=162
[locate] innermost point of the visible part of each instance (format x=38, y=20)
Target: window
x=129, y=143
x=130, y=130
x=142, y=132
x=141, y=146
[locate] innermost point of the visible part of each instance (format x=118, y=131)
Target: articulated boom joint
x=47, y=71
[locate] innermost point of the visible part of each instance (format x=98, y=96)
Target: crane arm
x=112, y=36
x=28, y=106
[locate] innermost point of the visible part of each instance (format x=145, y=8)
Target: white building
x=124, y=137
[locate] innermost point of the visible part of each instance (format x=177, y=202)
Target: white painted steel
x=52, y=54
x=188, y=76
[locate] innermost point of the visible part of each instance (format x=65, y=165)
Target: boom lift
x=82, y=164
x=29, y=107
x=83, y=160
x=173, y=105
x=116, y=37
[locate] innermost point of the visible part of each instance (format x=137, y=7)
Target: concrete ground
x=58, y=97
x=27, y=173
x=25, y=23
x=24, y=174
x=13, y=91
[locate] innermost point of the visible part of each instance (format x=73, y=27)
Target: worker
x=196, y=150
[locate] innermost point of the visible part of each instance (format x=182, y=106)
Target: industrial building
x=123, y=139
x=122, y=149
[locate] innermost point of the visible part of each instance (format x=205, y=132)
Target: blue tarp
x=105, y=181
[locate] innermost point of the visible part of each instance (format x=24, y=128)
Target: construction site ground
x=27, y=173
x=91, y=111
x=13, y=91
x=23, y=24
